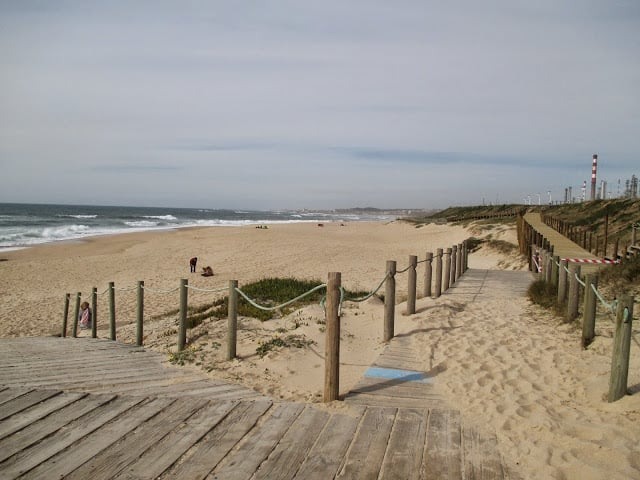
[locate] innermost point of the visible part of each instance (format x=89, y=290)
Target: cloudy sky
x=323, y=104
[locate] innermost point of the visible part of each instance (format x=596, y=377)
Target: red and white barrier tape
x=591, y=260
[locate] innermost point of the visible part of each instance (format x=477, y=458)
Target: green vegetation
x=297, y=341
x=542, y=293
x=622, y=278
x=267, y=292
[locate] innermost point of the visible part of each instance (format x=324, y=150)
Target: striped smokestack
x=594, y=168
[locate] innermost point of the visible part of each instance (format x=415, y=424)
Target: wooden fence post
x=182, y=328
x=65, y=314
x=140, y=313
x=427, y=274
x=389, y=301
x=412, y=285
x=547, y=267
x=94, y=312
x=562, y=282
x=74, y=331
x=438, y=284
x=112, y=310
x=447, y=270
x=454, y=264
x=459, y=262
x=589, y=313
x=555, y=270
x=232, y=320
x=621, y=349
x=530, y=253
x=574, y=292
x=465, y=260
x=332, y=338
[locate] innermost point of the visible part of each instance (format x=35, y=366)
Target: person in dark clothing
x=192, y=264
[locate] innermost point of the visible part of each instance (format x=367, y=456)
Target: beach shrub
x=542, y=293
x=296, y=341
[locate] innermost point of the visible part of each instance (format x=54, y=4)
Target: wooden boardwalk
x=562, y=246
x=96, y=409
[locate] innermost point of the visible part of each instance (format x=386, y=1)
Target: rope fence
x=574, y=290
x=455, y=260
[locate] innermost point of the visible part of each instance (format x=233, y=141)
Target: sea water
x=24, y=225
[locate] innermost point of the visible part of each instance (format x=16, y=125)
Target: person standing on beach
x=192, y=264
x=84, y=317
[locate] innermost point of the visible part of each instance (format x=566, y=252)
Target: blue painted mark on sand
x=395, y=374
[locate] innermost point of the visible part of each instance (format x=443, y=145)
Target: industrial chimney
x=594, y=168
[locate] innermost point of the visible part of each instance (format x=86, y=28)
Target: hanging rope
x=579, y=281
x=152, y=290
x=214, y=290
x=270, y=309
x=369, y=295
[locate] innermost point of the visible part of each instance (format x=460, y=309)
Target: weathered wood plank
x=286, y=458
x=10, y=393
x=251, y=452
x=481, y=456
x=206, y=455
x=167, y=451
x=25, y=401
x=326, y=456
x=400, y=402
x=406, y=445
x=107, y=463
x=364, y=458
x=443, y=456
x=42, y=428
x=34, y=455
x=22, y=419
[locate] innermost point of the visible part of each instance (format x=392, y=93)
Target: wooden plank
x=107, y=463
x=406, y=445
x=167, y=451
x=25, y=401
x=10, y=393
x=364, y=458
x=42, y=428
x=254, y=448
x=443, y=456
x=286, y=458
x=325, y=457
x=206, y=455
x=386, y=401
x=482, y=459
x=37, y=453
x=36, y=412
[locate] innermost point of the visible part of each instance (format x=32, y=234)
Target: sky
x=324, y=104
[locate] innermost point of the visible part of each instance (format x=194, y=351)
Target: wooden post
x=574, y=292
x=621, y=349
x=94, y=312
x=65, y=314
x=547, y=267
x=112, y=310
x=447, y=270
x=332, y=337
x=74, y=331
x=465, y=260
x=555, y=270
x=562, y=282
x=389, y=301
x=459, y=262
x=427, y=274
x=412, y=284
x=589, y=312
x=182, y=329
x=140, y=314
x=232, y=320
x=454, y=264
x=438, y=284
x=530, y=253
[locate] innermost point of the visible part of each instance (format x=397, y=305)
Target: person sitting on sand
x=192, y=264
x=207, y=271
x=84, y=316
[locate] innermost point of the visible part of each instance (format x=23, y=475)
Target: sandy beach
x=509, y=366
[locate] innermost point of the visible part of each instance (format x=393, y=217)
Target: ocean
x=24, y=225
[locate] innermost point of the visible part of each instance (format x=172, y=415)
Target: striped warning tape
x=590, y=260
